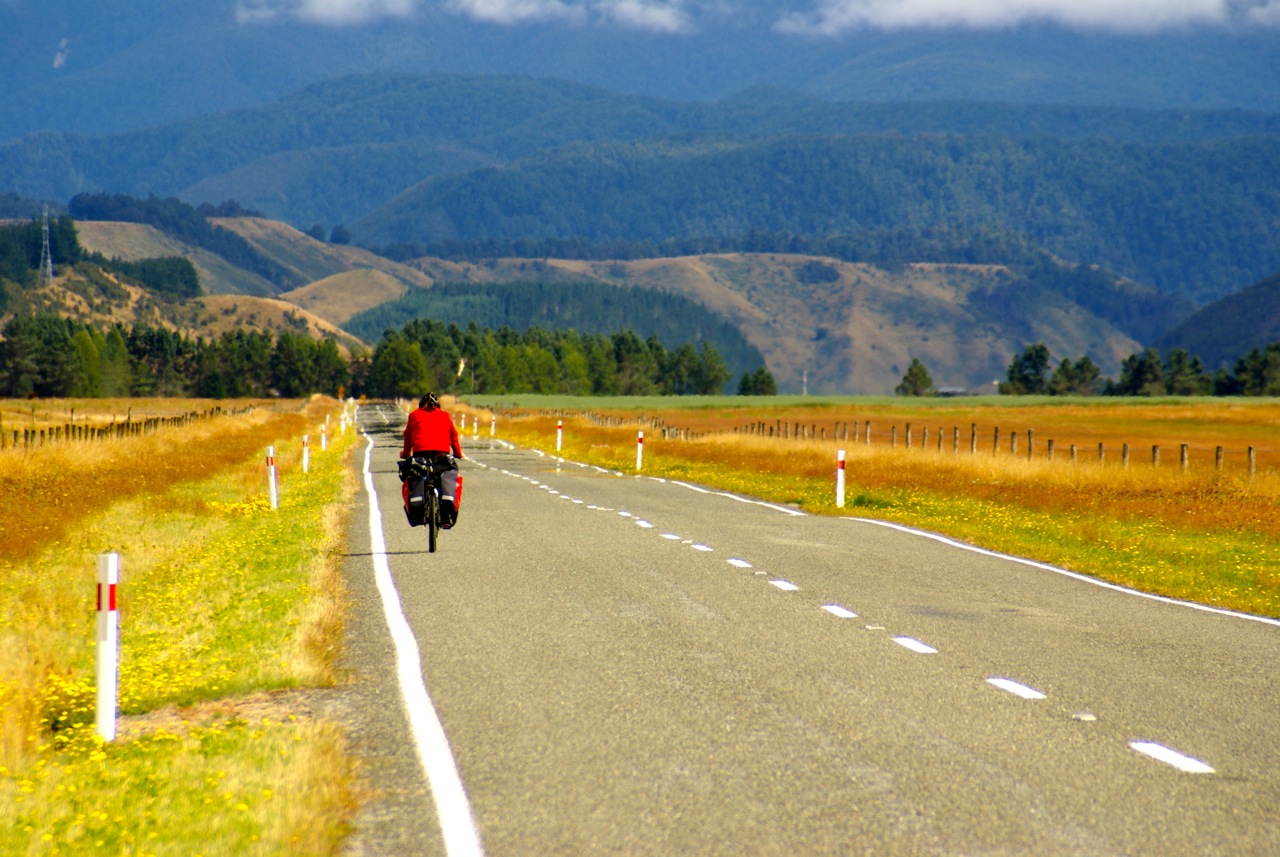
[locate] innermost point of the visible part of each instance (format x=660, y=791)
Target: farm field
x=229, y=611
x=1203, y=532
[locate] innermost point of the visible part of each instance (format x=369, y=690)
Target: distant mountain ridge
x=94, y=68
x=1183, y=217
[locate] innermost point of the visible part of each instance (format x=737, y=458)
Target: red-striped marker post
x=493, y=426
x=108, y=643
x=559, y=434
x=306, y=453
x=840, y=479
x=271, y=478
x=639, y=451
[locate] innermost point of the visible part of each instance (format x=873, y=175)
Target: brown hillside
x=341, y=296
x=310, y=259
x=100, y=299
x=133, y=241
x=857, y=332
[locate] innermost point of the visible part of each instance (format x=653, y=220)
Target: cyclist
x=430, y=431
x=430, y=436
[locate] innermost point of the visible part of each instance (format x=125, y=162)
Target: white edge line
x=794, y=512
x=915, y=645
x=1266, y=620
x=1017, y=689
x=1171, y=757
x=454, y=812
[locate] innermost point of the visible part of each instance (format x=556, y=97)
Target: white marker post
x=108, y=643
x=560, y=435
x=840, y=479
x=306, y=453
x=639, y=451
x=271, y=478
x=493, y=426
x=324, y=437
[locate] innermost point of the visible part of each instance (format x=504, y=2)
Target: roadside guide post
x=271, y=478
x=639, y=451
x=108, y=643
x=560, y=434
x=306, y=453
x=840, y=479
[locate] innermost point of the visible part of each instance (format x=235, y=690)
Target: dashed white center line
x=1171, y=757
x=739, y=563
x=644, y=525
x=671, y=537
x=915, y=645
x=785, y=585
x=625, y=514
x=702, y=548
x=1016, y=689
x=839, y=612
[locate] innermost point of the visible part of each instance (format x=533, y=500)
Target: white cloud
x=832, y=17
x=516, y=11
x=668, y=16
x=642, y=15
x=335, y=12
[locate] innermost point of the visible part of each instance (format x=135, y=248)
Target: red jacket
x=430, y=431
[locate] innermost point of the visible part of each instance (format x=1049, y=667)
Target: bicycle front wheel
x=433, y=518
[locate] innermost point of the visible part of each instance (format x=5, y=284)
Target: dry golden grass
x=45, y=492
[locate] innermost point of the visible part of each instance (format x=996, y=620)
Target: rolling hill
x=1225, y=330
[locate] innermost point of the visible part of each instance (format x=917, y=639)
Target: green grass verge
x=217, y=592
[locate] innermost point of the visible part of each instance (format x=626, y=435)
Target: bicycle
x=427, y=470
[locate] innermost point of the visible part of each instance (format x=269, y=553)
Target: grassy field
x=1204, y=534
x=227, y=607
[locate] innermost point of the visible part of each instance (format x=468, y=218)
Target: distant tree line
x=427, y=354
x=584, y=306
x=50, y=357
x=1145, y=373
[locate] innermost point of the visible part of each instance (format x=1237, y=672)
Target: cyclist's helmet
x=429, y=401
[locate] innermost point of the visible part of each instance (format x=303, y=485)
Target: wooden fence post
x=1252, y=462
x=1217, y=458
x=1048, y=451
x=1031, y=443
x=1182, y=457
x=1102, y=454
x=1124, y=455
x=1155, y=455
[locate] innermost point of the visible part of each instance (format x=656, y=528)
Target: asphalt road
x=626, y=665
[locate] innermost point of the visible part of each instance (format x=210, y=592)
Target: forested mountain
x=94, y=68
x=1186, y=217
x=1222, y=332
x=332, y=152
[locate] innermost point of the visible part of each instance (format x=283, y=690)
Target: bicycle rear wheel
x=433, y=517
